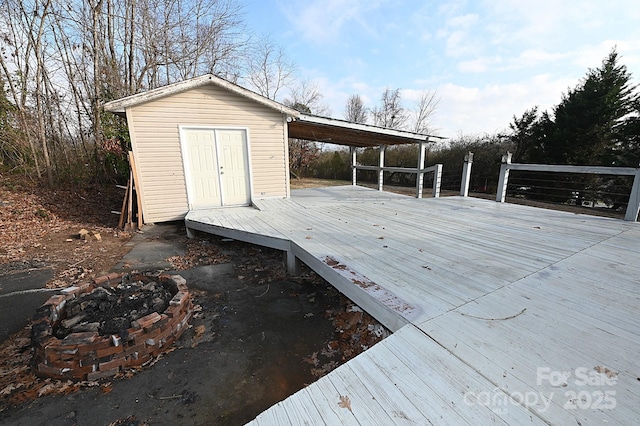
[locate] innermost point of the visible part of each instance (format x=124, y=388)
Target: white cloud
x=458, y=35
x=479, y=65
x=321, y=21
x=479, y=110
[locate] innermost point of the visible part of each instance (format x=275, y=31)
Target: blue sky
x=487, y=60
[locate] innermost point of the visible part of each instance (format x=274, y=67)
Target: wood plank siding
x=154, y=128
x=501, y=313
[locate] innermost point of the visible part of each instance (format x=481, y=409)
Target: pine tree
x=589, y=123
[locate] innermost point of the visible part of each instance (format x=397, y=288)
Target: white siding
x=154, y=128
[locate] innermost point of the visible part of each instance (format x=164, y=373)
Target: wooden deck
x=502, y=313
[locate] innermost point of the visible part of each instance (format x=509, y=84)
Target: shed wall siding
x=156, y=145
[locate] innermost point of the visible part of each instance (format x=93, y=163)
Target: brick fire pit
x=100, y=351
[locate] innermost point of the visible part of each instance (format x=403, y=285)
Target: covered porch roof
x=342, y=132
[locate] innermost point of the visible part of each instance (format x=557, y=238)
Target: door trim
x=185, y=159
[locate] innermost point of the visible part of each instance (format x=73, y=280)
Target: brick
x=45, y=369
x=157, y=324
x=133, y=334
x=107, y=278
x=70, y=291
x=85, y=288
x=172, y=311
x=110, y=365
x=150, y=335
x=101, y=353
x=101, y=280
x=134, y=349
x=180, y=282
x=139, y=360
x=179, y=299
x=55, y=300
x=86, y=352
x=146, y=320
x=81, y=338
x=81, y=372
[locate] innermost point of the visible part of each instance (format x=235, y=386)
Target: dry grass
x=303, y=183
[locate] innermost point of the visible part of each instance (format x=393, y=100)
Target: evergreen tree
x=589, y=123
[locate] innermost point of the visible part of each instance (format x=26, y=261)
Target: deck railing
x=633, y=206
x=420, y=171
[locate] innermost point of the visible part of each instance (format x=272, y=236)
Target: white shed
x=204, y=143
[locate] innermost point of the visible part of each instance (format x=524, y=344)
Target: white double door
x=217, y=164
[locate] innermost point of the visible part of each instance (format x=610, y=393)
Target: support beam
x=437, y=180
x=354, y=163
x=420, y=175
x=190, y=233
x=293, y=264
x=381, y=168
x=466, y=174
x=501, y=193
x=633, y=208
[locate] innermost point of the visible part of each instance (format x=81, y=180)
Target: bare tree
x=355, y=110
x=306, y=97
x=269, y=70
x=60, y=60
x=390, y=113
x=424, y=110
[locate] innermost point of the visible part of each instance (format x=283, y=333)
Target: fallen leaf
x=313, y=359
x=199, y=333
x=604, y=370
x=345, y=402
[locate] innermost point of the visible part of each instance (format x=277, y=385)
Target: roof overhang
x=119, y=106
x=341, y=132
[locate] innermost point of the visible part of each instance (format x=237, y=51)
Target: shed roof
x=119, y=105
x=300, y=126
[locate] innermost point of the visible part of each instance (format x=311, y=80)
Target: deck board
x=481, y=294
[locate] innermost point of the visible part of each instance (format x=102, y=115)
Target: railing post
x=420, y=173
x=633, y=208
x=501, y=193
x=466, y=174
x=354, y=171
x=437, y=180
x=381, y=168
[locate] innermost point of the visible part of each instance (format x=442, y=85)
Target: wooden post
x=437, y=180
x=633, y=208
x=501, y=193
x=381, y=168
x=136, y=188
x=354, y=171
x=420, y=174
x=293, y=264
x=466, y=174
x=124, y=207
x=129, y=224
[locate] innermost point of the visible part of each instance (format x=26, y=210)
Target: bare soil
x=258, y=335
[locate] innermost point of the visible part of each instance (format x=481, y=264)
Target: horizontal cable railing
x=584, y=190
